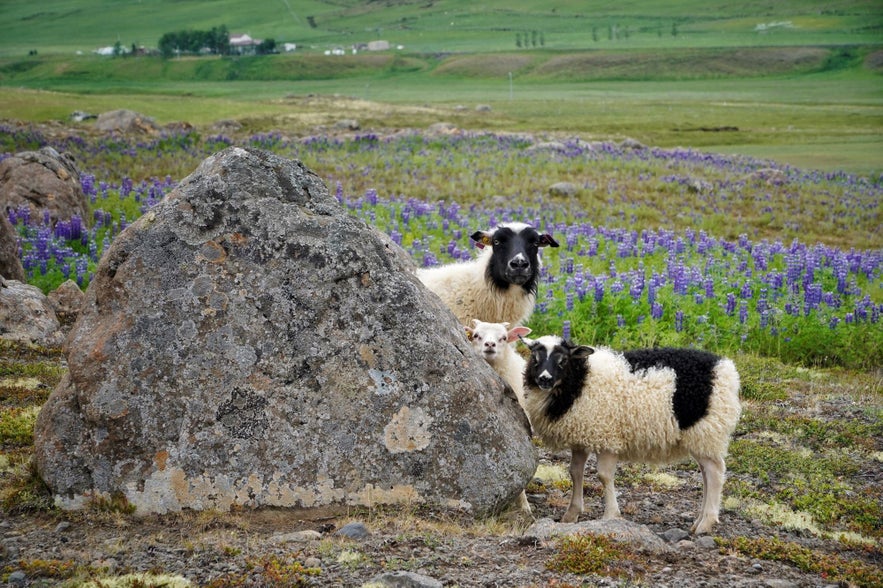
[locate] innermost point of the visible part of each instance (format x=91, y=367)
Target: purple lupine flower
x=125, y=187
x=812, y=298
x=81, y=268
x=599, y=289
x=679, y=321
x=743, y=312
x=637, y=287
x=568, y=301
x=731, y=303
x=565, y=331
x=87, y=182
x=656, y=311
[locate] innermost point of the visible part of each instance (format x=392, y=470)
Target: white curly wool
x=463, y=287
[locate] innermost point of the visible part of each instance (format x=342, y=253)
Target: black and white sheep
x=650, y=405
x=500, y=285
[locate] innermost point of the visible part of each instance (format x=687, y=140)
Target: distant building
x=243, y=44
x=289, y=47
x=378, y=45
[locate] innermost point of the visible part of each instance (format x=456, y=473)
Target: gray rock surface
x=67, y=301
x=126, y=121
x=44, y=179
x=26, y=315
x=619, y=529
x=403, y=579
x=248, y=343
x=10, y=263
x=563, y=189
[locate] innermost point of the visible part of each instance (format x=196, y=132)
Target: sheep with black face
x=500, y=285
x=649, y=405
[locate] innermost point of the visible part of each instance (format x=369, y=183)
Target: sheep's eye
x=561, y=361
x=497, y=242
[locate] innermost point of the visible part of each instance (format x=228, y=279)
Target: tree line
x=214, y=42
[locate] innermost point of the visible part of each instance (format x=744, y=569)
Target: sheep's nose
x=519, y=263
x=545, y=380
x=490, y=344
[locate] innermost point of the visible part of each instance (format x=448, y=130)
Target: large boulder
x=66, y=301
x=126, y=121
x=248, y=343
x=26, y=315
x=43, y=180
x=10, y=262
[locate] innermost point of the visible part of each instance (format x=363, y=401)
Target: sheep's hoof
x=570, y=517
x=702, y=527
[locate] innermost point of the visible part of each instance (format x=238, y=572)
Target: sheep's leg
x=523, y=504
x=578, y=459
x=713, y=471
x=606, y=473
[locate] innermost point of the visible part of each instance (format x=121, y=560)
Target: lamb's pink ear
x=546, y=240
x=517, y=333
x=482, y=239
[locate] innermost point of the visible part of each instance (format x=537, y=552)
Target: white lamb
x=500, y=285
x=493, y=342
x=650, y=405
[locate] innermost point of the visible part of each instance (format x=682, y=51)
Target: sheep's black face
x=547, y=365
x=515, y=258
x=553, y=360
x=559, y=369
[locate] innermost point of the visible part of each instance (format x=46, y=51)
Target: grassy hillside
x=797, y=81
x=67, y=26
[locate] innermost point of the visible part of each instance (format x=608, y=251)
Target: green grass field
x=804, y=88
x=452, y=26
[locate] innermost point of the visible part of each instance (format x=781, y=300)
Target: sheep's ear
x=581, y=351
x=482, y=239
x=529, y=342
x=469, y=333
x=546, y=240
x=517, y=333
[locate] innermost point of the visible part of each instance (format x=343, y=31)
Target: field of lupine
x=659, y=247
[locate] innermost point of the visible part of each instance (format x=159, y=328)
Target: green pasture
x=831, y=119
x=805, y=88
x=452, y=26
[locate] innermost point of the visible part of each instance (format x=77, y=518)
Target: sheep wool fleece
x=631, y=413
